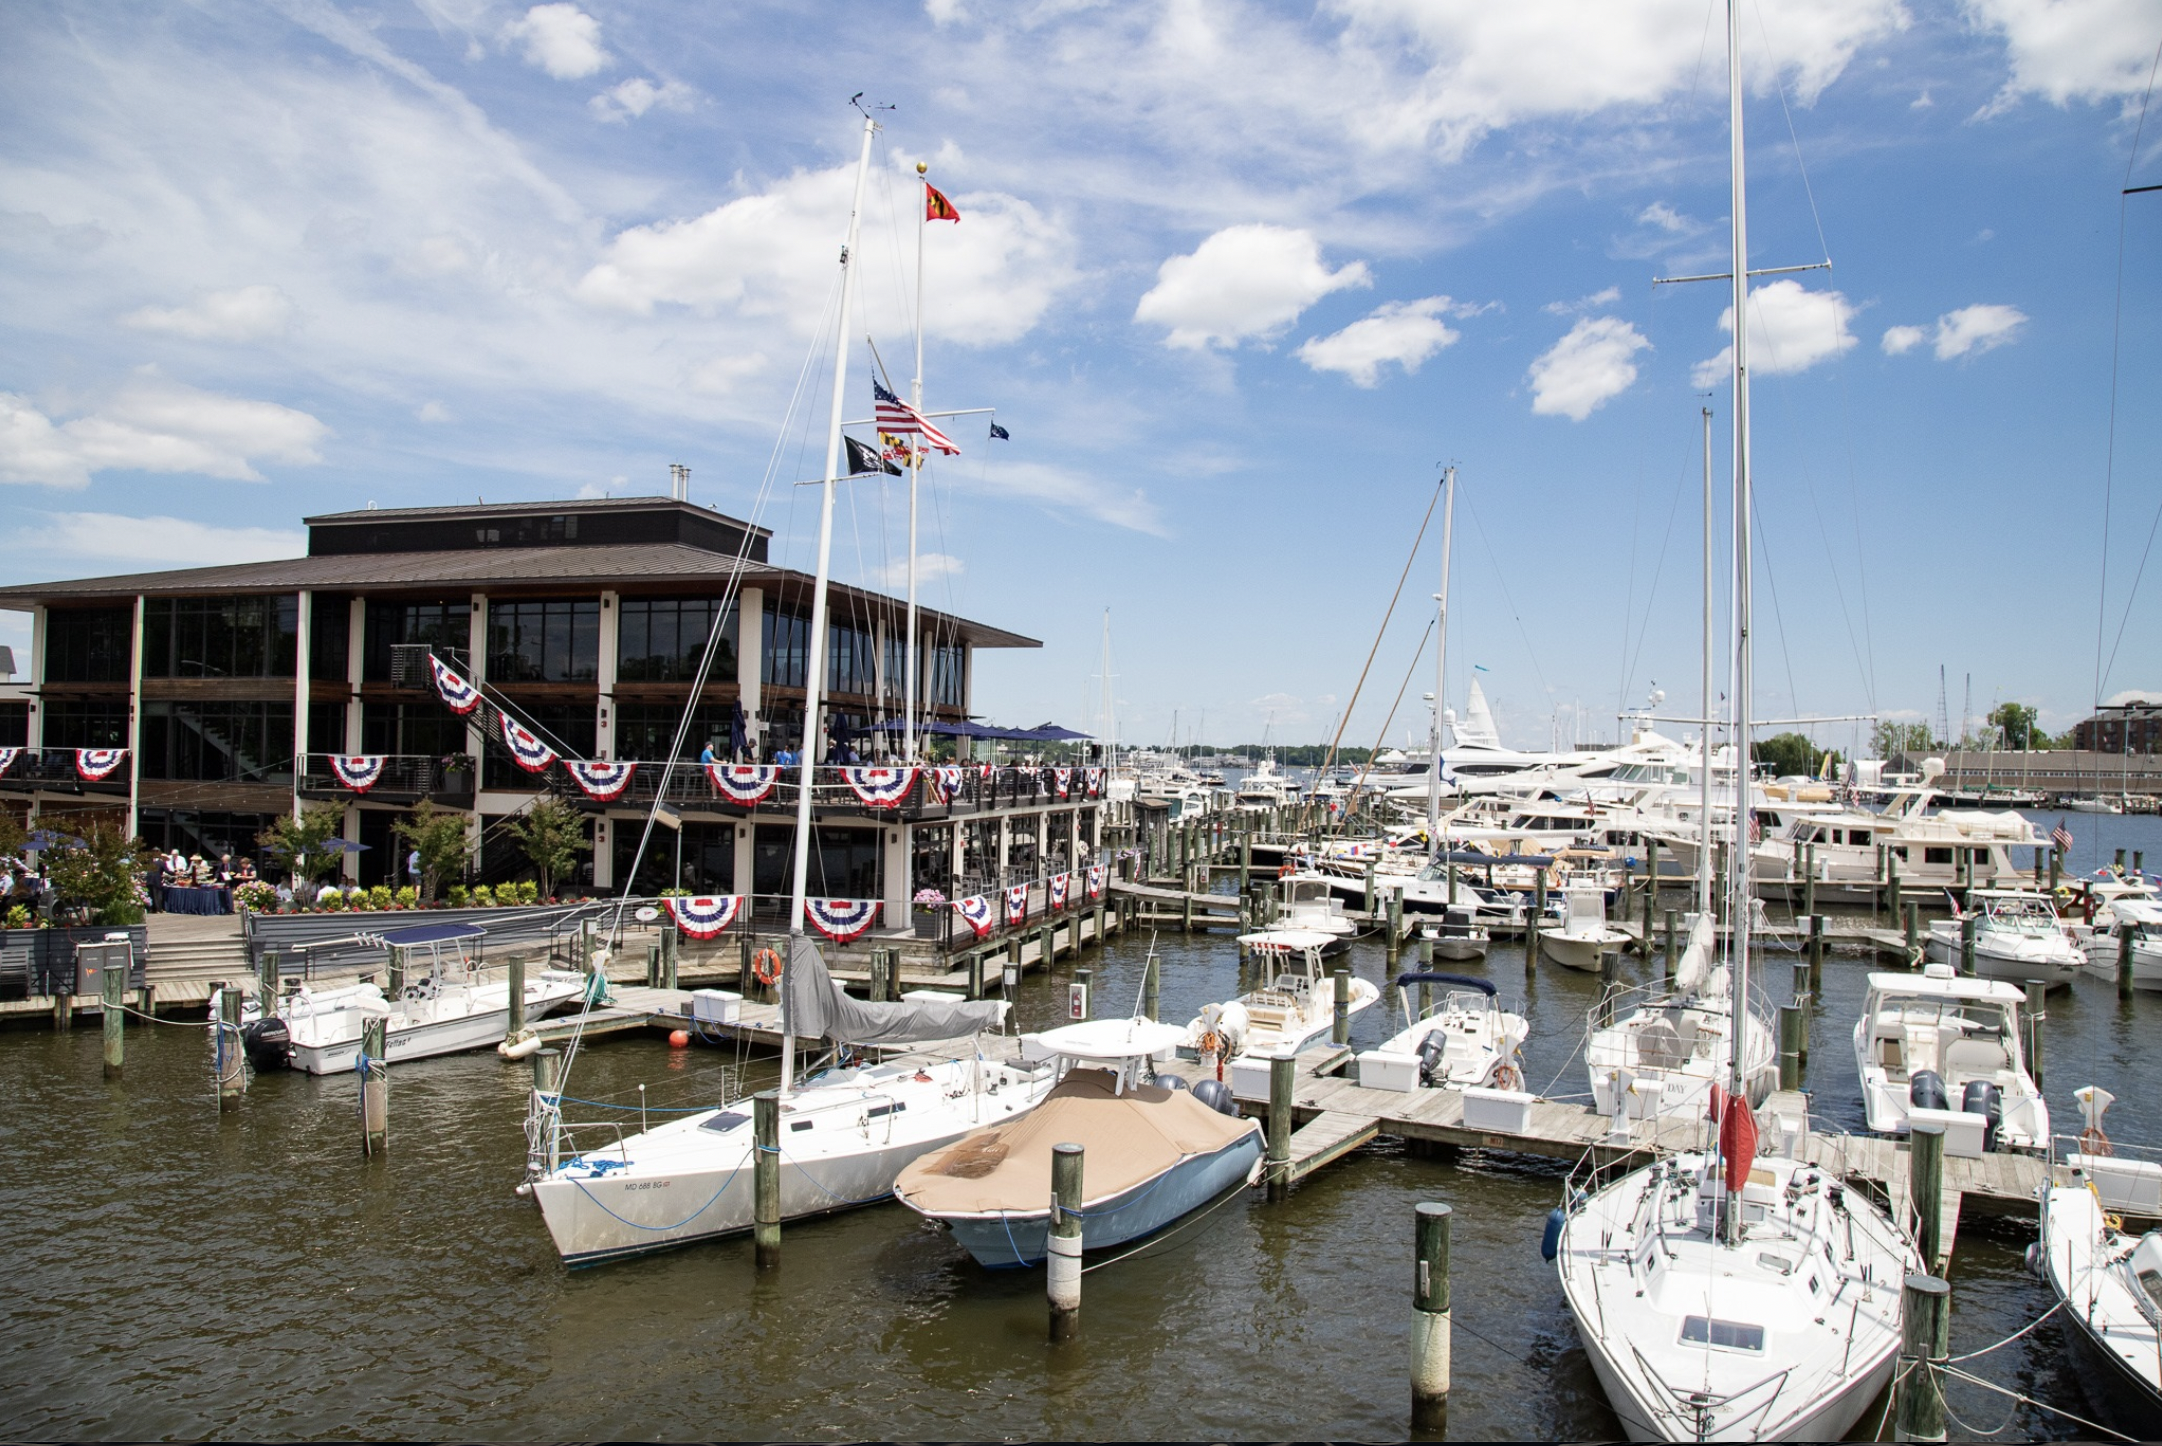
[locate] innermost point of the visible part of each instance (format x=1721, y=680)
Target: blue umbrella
x=45, y=838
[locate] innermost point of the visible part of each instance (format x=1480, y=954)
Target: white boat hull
x=1578, y=951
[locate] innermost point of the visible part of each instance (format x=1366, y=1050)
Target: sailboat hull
x=1830, y=1420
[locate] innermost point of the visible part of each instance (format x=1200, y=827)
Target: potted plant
x=930, y=912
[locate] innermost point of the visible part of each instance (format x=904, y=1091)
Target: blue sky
x=1238, y=279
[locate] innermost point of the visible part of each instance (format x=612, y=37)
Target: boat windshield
x=1968, y=1016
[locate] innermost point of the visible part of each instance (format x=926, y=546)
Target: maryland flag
x=936, y=207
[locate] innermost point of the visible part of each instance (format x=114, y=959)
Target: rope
x=2026, y=1400
x=638, y=1109
x=663, y=1229
x=2045, y=1315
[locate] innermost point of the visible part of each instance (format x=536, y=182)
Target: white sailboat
x=1724, y=1294
x=845, y=1133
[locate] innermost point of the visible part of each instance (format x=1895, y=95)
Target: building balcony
x=406, y=778
x=53, y=770
x=690, y=790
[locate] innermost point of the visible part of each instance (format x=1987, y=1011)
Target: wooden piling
x=1531, y=924
x=1891, y=886
x=1062, y=1248
x=671, y=956
x=1792, y=1024
x=516, y=986
x=1925, y=1164
x=2056, y=867
x=1809, y=877
x=1279, y=1170
x=653, y=966
x=2037, y=1012
x=1246, y=858
x=1373, y=892
x=1340, y=1026
x=1151, y=986
x=1967, y=923
x=1430, y=1315
x=1816, y=955
x=1877, y=897
x=64, y=1000
x=1925, y=1309
x=1914, y=933
x=374, y=1065
x=1672, y=958
x=232, y=1060
x=1396, y=922
x=2124, y=961
x=766, y=1178
x=113, y=988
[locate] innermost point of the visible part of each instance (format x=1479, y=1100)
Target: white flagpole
x=915, y=475
x=815, y=679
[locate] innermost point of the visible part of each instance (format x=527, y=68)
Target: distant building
x=2133, y=726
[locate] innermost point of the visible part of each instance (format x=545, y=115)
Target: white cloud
x=989, y=279
x=2133, y=695
x=1592, y=302
x=1061, y=489
x=2067, y=50
x=930, y=567
x=1244, y=281
x=561, y=39
x=1899, y=340
x=1404, y=332
x=1586, y=369
x=1972, y=330
x=636, y=96
x=246, y=313
x=1791, y=329
x=139, y=543
x=154, y=425
x=726, y=374
x=1667, y=219
x=432, y=412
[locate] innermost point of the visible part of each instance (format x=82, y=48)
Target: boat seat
x=1892, y=1053
x=1974, y=1056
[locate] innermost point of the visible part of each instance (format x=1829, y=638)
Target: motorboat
x=1154, y=1152
x=1662, y=1058
x=1304, y=901
x=1264, y=787
x=1938, y=1041
x=446, y=1005
x=1294, y=1005
x=1584, y=934
x=1458, y=934
x=846, y=1133
x=1465, y=1040
x=2141, y=919
x=2017, y=937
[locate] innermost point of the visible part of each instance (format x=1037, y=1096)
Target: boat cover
x=819, y=1007
x=1129, y=1140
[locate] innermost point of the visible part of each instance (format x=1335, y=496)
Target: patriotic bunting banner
x=744, y=783
x=988, y=770
x=457, y=694
x=601, y=779
x=357, y=773
x=1017, y=903
x=1096, y=881
x=1095, y=782
x=704, y=915
x=880, y=787
x=975, y=911
x=95, y=763
x=841, y=919
x=1057, y=884
x=944, y=780
x=1062, y=780
x=8, y=757
x=530, y=753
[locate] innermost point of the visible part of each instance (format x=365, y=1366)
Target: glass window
x=330, y=637
x=785, y=649
x=851, y=659
x=14, y=724
x=707, y=858
x=440, y=624
x=1699, y=1330
x=88, y=645
x=644, y=730
x=220, y=637
x=84, y=723
x=947, y=676
x=426, y=730
x=661, y=639
x=326, y=728
x=544, y=640
x=218, y=741
x=897, y=662
x=569, y=728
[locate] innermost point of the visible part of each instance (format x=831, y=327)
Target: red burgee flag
x=936, y=207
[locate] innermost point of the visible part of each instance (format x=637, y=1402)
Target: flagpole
x=816, y=676
x=915, y=475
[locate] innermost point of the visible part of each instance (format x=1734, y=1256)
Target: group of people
x=176, y=870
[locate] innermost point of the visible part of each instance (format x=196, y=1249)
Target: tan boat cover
x=1129, y=1139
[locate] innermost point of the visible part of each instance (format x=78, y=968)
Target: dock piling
x=766, y=1178
x=113, y=987
x=2124, y=961
x=517, y=995
x=1651, y=888
x=1925, y=1305
x=1279, y=1170
x=1671, y=957
x=2056, y=868
x=1792, y=1024
x=1914, y=933
x=1967, y=923
x=232, y=1060
x=1891, y=886
x=1062, y=1250
x=1816, y=955
x=2037, y=1011
x=1926, y=1188
x=1430, y=1315
x=1809, y=877
x=1151, y=986
x=374, y=1066
x=1340, y=1026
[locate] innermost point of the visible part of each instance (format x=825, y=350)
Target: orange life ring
x=1287, y=869
x=1508, y=1077
x=766, y=967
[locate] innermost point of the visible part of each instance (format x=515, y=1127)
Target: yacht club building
x=232, y=688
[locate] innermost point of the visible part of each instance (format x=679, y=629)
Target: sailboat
x=846, y=1133
x=1724, y=1294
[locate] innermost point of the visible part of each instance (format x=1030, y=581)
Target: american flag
x=897, y=418
x=2061, y=836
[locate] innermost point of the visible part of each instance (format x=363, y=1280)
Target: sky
x=1238, y=279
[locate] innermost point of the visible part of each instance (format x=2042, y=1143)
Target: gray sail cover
x=819, y=1007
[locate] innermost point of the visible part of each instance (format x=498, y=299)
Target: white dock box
x=2133, y=1186
x=1501, y=1112
x=1962, y=1131
x=1383, y=1069
x=714, y=1006
x=1249, y=1078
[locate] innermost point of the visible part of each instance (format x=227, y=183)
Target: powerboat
x=1584, y=934
x=2142, y=920
x=1154, y=1152
x=1925, y=1041
x=1304, y=901
x=1457, y=935
x=2017, y=937
x=1293, y=1006
x=1466, y=1040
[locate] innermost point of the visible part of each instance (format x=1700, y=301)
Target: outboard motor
x=1984, y=1099
x=1171, y=1082
x=1926, y=1091
x=1217, y=1096
x=1431, y=1050
x=268, y=1043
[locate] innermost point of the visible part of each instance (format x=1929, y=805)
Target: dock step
x=1327, y=1137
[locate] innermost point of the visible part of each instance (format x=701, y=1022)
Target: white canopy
x=1111, y=1039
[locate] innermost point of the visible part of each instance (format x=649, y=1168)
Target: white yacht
x=1294, y=1005
x=1585, y=934
x=1465, y=1040
x=1304, y=901
x=2017, y=936
x=2140, y=918
x=1940, y=1042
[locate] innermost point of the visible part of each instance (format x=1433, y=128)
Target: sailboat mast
x=1110, y=721
x=1738, y=868
x=915, y=476
x=1704, y=847
x=816, y=676
x=1441, y=669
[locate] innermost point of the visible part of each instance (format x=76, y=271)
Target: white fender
x=520, y=1047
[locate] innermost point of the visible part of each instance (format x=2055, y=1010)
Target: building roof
x=583, y=506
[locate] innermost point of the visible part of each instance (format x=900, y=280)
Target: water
x=178, y=1273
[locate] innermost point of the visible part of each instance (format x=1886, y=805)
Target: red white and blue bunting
x=975, y=911
x=357, y=773
x=1096, y=881
x=601, y=779
x=1095, y=777
x=1057, y=887
x=880, y=787
x=8, y=757
x=95, y=764
x=744, y=783
x=944, y=781
x=457, y=694
x=841, y=919
x=1062, y=780
x=528, y=751
x=704, y=915
x=1017, y=903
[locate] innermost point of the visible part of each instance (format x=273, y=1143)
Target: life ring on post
x=1508, y=1077
x=766, y=967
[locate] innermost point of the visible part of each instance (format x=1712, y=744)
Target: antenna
x=679, y=482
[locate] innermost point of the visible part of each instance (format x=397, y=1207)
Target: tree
x=552, y=834
x=2017, y=720
x=1890, y=737
x=300, y=843
x=438, y=836
x=98, y=874
x=1787, y=753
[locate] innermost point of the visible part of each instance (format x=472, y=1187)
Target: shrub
x=483, y=897
x=18, y=916
x=528, y=892
x=99, y=873
x=459, y=895
x=301, y=844
x=379, y=897
x=256, y=896
x=438, y=836
x=334, y=901
x=406, y=898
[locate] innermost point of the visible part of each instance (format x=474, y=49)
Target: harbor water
x=175, y=1272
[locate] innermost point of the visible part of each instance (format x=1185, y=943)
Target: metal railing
x=52, y=770
x=405, y=776
x=691, y=788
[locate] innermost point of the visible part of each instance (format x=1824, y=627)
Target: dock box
x=1382, y=1069
x=1962, y=1131
x=714, y=1006
x=931, y=996
x=1249, y=1078
x=2132, y=1186
x=1500, y=1112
